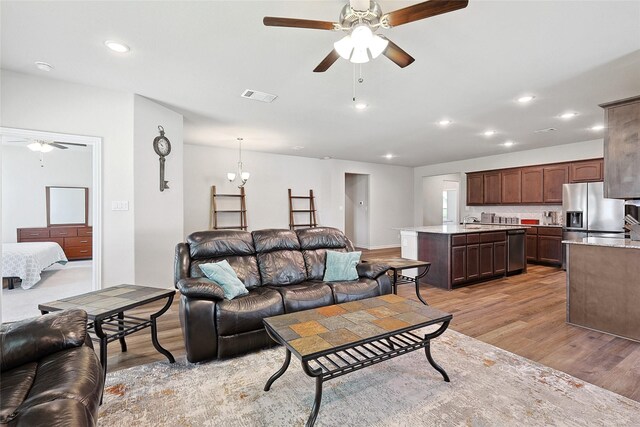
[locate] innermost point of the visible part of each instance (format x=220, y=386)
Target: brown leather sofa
x=51, y=375
x=283, y=272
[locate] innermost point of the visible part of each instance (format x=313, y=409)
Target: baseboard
x=371, y=248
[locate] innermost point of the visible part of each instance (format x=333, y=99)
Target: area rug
x=489, y=387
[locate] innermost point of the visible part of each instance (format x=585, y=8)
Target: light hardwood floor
x=524, y=314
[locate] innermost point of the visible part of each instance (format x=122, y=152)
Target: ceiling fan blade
x=57, y=145
x=397, y=55
x=424, y=10
x=327, y=62
x=70, y=143
x=271, y=21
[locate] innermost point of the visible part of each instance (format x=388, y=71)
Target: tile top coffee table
x=396, y=265
x=106, y=311
x=334, y=340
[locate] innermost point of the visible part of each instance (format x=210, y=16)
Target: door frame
x=96, y=205
x=367, y=212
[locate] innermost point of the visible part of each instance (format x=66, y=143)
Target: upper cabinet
x=511, y=186
x=532, y=185
x=540, y=184
x=475, y=188
x=554, y=177
x=622, y=149
x=492, y=188
x=586, y=171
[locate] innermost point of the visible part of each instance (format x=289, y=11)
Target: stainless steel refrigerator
x=586, y=213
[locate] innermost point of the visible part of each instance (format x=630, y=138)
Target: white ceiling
x=198, y=57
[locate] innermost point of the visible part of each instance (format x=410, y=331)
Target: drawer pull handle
x=34, y=234
x=84, y=241
x=84, y=252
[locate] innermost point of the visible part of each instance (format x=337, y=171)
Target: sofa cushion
x=245, y=313
x=32, y=339
x=341, y=266
x=354, y=290
x=220, y=243
x=305, y=295
x=14, y=387
x=314, y=243
x=279, y=258
x=56, y=413
x=222, y=273
x=246, y=268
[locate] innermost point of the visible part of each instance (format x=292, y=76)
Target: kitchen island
x=603, y=292
x=462, y=255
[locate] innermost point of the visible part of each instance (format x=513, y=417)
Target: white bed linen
x=27, y=260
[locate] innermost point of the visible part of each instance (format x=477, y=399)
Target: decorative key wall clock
x=162, y=147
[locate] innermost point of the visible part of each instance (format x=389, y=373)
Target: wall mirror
x=67, y=205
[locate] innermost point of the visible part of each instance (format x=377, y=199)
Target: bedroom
x=46, y=237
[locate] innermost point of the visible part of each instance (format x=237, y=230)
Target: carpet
x=489, y=387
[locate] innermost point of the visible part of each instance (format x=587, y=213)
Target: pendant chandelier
x=243, y=176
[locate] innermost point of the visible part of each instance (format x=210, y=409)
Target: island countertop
x=461, y=229
x=604, y=241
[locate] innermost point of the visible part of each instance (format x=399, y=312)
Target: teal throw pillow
x=224, y=275
x=341, y=266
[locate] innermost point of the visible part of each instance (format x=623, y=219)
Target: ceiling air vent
x=545, y=130
x=258, y=96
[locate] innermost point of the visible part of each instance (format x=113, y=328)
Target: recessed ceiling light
x=297, y=147
x=327, y=158
x=43, y=66
x=597, y=128
x=508, y=143
x=361, y=105
x=526, y=98
x=117, y=46
x=489, y=132
x=445, y=122
x=569, y=115
x=389, y=156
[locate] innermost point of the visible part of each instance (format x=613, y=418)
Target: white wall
x=36, y=103
x=390, y=203
x=25, y=180
x=560, y=153
x=159, y=221
x=431, y=197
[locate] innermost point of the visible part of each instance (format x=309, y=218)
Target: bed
x=27, y=260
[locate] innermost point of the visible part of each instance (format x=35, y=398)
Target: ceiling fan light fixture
x=361, y=36
x=344, y=47
x=377, y=46
x=359, y=55
x=45, y=148
x=34, y=146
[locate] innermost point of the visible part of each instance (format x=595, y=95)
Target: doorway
x=356, y=209
x=44, y=176
x=441, y=199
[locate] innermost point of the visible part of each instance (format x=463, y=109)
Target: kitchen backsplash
x=526, y=212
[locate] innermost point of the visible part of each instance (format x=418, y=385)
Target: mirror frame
x=86, y=207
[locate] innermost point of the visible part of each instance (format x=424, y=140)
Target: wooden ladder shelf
x=242, y=212
x=311, y=211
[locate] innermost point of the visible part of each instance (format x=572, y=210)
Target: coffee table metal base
x=342, y=360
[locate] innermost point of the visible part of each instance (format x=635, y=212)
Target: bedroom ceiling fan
x=361, y=19
x=43, y=146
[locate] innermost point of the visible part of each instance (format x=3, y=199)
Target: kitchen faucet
x=468, y=217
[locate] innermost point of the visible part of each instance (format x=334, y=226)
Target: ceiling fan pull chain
x=354, y=82
x=360, y=79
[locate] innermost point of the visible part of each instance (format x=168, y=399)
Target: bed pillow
x=341, y=266
x=224, y=275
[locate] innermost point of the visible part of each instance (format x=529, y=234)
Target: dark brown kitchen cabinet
x=473, y=262
x=532, y=247
x=458, y=265
x=475, y=189
x=554, y=177
x=492, y=188
x=486, y=260
x=499, y=258
x=532, y=185
x=511, y=186
x=622, y=149
x=586, y=171
x=550, y=249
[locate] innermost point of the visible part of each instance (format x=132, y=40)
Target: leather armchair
x=51, y=375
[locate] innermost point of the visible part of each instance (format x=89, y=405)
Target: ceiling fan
x=360, y=19
x=44, y=146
